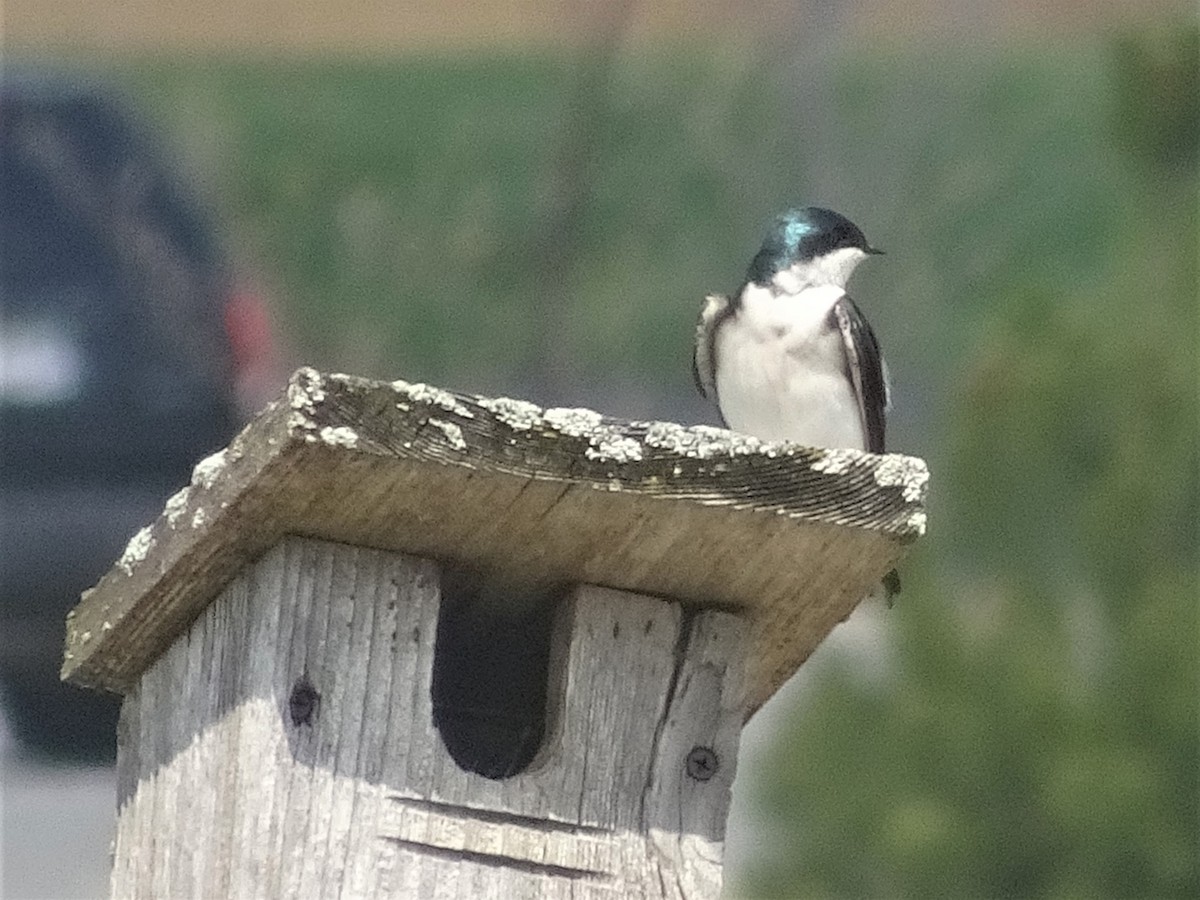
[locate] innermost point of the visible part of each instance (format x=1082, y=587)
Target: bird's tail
x=891, y=587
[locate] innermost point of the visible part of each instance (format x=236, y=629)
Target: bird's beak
x=874, y=251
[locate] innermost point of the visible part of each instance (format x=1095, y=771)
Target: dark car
x=123, y=346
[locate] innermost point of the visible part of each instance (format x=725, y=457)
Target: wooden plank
x=232, y=789
x=795, y=535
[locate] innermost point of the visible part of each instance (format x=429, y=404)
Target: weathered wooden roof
x=794, y=535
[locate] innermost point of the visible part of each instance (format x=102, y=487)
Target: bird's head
x=809, y=246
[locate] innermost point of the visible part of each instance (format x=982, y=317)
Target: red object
x=252, y=339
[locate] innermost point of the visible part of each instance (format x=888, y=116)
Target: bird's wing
x=867, y=371
x=704, y=357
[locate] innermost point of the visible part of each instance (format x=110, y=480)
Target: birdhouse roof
x=794, y=536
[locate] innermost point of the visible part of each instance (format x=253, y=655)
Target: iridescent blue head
x=805, y=238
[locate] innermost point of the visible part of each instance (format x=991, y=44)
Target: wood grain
x=224, y=793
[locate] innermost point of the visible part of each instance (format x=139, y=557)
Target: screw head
x=702, y=763
x=303, y=702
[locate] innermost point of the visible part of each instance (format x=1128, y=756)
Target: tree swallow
x=789, y=357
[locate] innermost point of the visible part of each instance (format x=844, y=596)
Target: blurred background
x=531, y=198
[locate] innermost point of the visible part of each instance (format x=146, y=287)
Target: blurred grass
x=400, y=204
x=374, y=193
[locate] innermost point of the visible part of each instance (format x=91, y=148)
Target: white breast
x=781, y=370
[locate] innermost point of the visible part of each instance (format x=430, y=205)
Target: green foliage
x=1014, y=751
x=1038, y=735
x=1157, y=83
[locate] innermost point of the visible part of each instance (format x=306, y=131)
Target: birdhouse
x=400, y=642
